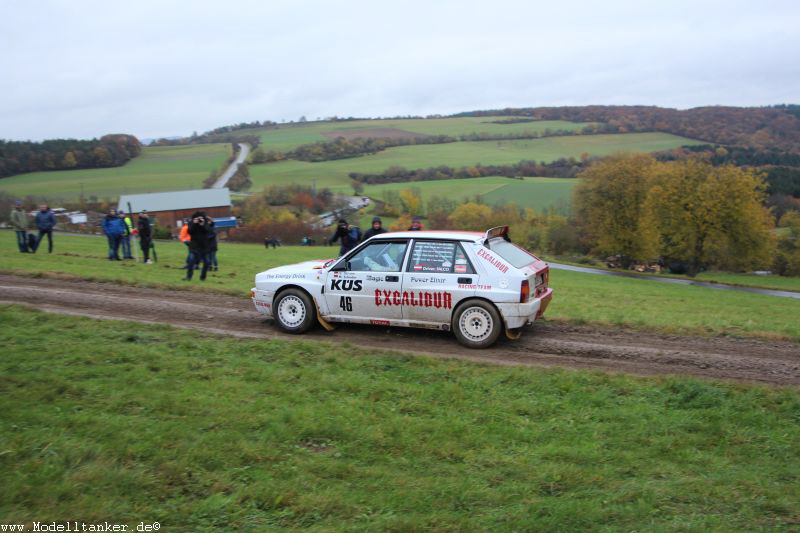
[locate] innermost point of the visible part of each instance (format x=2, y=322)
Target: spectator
x=45, y=222
x=199, y=245
x=347, y=235
x=114, y=229
x=416, y=224
x=376, y=229
x=126, y=237
x=212, y=244
x=145, y=230
x=21, y=223
x=185, y=238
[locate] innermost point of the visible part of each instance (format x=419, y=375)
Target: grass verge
x=125, y=422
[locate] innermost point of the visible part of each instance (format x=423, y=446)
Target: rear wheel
x=294, y=311
x=476, y=324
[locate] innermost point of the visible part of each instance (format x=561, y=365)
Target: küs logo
x=346, y=284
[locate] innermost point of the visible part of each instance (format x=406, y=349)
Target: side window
x=379, y=257
x=442, y=257
x=462, y=264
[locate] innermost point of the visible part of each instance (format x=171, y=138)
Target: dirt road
x=544, y=344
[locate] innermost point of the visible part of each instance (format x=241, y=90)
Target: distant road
x=244, y=151
x=676, y=281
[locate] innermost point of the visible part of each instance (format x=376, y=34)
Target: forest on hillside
x=761, y=128
x=18, y=157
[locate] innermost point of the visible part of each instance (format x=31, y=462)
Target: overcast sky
x=81, y=69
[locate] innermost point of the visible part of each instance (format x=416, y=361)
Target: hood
x=305, y=266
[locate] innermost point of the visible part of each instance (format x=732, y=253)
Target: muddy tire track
x=544, y=344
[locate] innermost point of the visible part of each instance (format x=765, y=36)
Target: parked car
x=476, y=285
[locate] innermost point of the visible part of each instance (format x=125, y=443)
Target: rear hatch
x=535, y=271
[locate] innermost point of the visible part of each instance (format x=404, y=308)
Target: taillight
x=525, y=291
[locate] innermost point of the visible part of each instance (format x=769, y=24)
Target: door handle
x=465, y=280
x=392, y=278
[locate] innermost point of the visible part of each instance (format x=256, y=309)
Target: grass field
x=539, y=193
x=290, y=136
x=162, y=168
x=334, y=174
x=120, y=422
x=581, y=298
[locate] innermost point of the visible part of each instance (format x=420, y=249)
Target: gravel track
x=544, y=344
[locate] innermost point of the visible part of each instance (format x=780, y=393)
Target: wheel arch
x=481, y=298
x=284, y=288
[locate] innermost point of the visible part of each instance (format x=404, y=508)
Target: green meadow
x=579, y=298
x=289, y=136
x=539, y=193
x=334, y=174
x=130, y=423
x=160, y=168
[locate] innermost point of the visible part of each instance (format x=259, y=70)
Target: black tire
x=476, y=324
x=294, y=311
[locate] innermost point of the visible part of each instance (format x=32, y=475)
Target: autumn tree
x=711, y=216
x=411, y=200
x=609, y=204
x=358, y=187
x=69, y=160
x=470, y=216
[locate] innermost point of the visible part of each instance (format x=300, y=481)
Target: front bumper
x=262, y=300
x=517, y=315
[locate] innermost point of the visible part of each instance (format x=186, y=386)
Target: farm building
x=170, y=208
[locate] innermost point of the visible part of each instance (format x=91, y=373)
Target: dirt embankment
x=544, y=344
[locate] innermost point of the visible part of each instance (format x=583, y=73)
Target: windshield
x=511, y=252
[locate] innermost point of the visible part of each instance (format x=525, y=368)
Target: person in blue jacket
x=114, y=228
x=45, y=221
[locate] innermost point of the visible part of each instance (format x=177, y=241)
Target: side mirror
x=341, y=266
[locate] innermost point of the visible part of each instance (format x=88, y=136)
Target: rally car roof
x=441, y=234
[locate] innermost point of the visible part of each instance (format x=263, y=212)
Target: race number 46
x=346, y=303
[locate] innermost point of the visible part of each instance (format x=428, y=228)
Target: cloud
x=168, y=68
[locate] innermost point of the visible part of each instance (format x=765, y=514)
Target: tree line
x=756, y=127
x=18, y=157
x=561, y=168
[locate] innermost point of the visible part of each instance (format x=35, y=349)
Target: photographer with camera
x=199, y=246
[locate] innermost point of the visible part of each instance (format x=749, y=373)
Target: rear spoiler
x=499, y=231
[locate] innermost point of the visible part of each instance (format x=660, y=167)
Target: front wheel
x=476, y=324
x=294, y=311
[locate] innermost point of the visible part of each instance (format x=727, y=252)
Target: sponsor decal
x=431, y=279
x=378, y=279
x=418, y=267
x=461, y=269
x=474, y=286
x=265, y=305
x=379, y=322
x=346, y=285
x=438, y=300
x=461, y=261
x=498, y=264
x=285, y=276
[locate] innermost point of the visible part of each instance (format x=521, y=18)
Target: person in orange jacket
x=185, y=238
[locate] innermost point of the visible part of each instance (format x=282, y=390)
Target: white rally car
x=475, y=284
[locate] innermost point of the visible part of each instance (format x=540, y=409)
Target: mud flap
x=325, y=324
x=514, y=335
